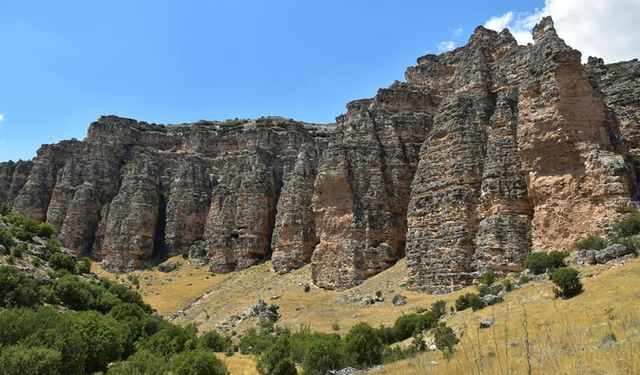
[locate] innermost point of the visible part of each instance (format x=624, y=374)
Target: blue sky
x=65, y=63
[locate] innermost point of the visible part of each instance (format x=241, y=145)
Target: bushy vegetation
x=539, y=262
x=105, y=322
x=25, y=229
x=445, y=339
x=591, y=242
x=567, y=282
x=469, y=300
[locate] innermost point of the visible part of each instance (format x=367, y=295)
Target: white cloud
x=445, y=46
x=607, y=29
x=1, y=117
x=458, y=32
x=500, y=22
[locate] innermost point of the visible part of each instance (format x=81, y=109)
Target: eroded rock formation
x=484, y=154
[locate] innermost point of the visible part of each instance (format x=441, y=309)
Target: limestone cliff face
x=484, y=154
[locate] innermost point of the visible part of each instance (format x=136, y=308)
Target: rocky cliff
x=482, y=155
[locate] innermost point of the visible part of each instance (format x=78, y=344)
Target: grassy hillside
x=561, y=336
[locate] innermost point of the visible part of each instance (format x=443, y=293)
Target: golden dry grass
x=565, y=337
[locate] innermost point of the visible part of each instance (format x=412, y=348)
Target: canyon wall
x=481, y=156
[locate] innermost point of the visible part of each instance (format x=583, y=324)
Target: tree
x=141, y=363
x=62, y=261
x=567, y=281
x=325, y=353
x=198, y=362
x=363, y=346
x=23, y=360
x=214, y=341
x=536, y=263
x=277, y=359
x=445, y=339
x=84, y=265
x=6, y=239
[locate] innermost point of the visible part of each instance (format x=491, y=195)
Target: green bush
x=62, y=261
x=627, y=227
x=170, y=340
x=216, y=342
x=24, y=229
x=555, y=259
x=18, y=250
x=83, y=265
x=324, y=353
x=537, y=263
x=386, y=334
x=141, y=363
x=591, y=242
x=276, y=360
x=53, y=244
x=406, y=325
x=488, y=278
x=23, y=360
x=468, y=300
x=256, y=341
x=567, y=281
x=363, y=346
x=6, y=239
x=198, y=362
x=439, y=308
x=445, y=339
x=17, y=289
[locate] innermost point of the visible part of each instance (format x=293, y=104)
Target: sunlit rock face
x=481, y=156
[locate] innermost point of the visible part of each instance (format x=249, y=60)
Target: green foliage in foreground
x=567, y=281
x=106, y=323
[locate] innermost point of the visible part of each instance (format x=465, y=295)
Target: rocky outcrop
x=484, y=154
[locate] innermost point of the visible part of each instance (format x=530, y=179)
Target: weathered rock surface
x=484, y=154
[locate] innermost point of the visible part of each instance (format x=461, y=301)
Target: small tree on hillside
x=567, y=281
x=445, y=339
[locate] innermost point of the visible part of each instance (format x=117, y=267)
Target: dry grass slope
x=561, y=337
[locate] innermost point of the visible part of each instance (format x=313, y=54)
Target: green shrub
x=256, y=342
x=83, y=265
x=141, y=363
x=591, y=242
x=53, y=244
x=488, y=278
x=23, y=360
x=214, y=341
x=198, y=362
x=536, y=263
x=62, y=261
x=406, y=325
x=445, y=339
x=17, y=289
x=276, y=360
x=363, y=346
x=567, y=281
x=6, y=239
x=555, y=259
x=627, y=227
x=18, y=250
x=386, y=334
x=24, y=229
x=170, y=340
x=467, y=300
x=439, y=308
x=324, y=353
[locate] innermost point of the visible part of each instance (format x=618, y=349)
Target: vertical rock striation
x=484, y=154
